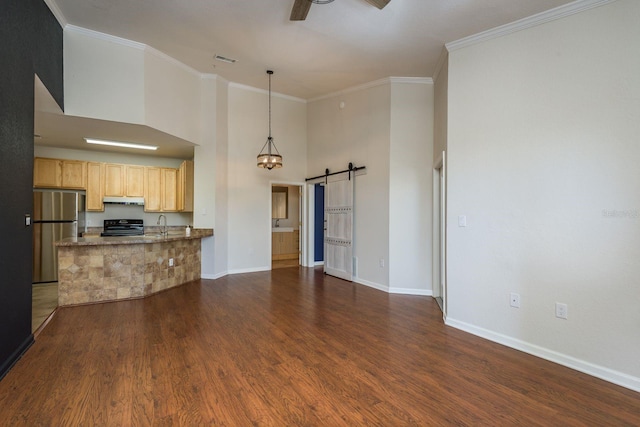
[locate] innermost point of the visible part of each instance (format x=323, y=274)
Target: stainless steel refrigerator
x=56, y=214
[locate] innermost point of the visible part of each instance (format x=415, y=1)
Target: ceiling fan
x=301, y=7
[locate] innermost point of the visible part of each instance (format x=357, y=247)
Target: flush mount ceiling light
x=120, y=144
x=269, y=158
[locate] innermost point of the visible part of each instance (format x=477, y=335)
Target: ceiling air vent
x=224, y=59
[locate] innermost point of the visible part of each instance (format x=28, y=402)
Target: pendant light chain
x=270, y=102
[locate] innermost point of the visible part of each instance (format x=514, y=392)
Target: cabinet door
x=74, y=174
x=135, y=181
x=169, y=180
x=152, y=189
x=287, y=243
x=276, y=243
x=114, y=183
x=95, y=186
x=47, y=173
x=185, y=186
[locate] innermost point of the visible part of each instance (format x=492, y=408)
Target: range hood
x=136, y=201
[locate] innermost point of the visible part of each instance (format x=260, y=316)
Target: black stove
x=123, y=227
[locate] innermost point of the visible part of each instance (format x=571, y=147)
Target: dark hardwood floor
x=289, y=347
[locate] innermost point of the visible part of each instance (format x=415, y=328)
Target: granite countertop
x=196, y=233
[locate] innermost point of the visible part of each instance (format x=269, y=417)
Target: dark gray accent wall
x=30, y=43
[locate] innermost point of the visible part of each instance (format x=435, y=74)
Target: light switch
x=27, y=220
x=462, y=220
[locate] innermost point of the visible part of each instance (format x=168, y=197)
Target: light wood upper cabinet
x=74, y=174
x=135, y=181
x=95, y=186
x=47, y=173
x=124, y=180
x=152, y=189
x=169, y=180
x=185, y=186
x=161, y=185
x=164, y=189
x=56, y=173
x=114, y=180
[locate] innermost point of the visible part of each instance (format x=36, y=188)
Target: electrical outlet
x=562, y=311
x=515, y=300
x=381, y=262
x=170, y=262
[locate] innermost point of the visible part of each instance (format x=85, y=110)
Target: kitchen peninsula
x=100, y=269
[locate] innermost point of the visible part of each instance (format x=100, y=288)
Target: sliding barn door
x=338, y=213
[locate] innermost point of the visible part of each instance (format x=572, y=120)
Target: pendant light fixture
x=269, y=157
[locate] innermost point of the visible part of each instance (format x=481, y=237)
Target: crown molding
x=56, y=12
x=357, y=88
x=412, y=80
x=531, y=21
x=266, y=92
x=104, y=37
x=375, y=83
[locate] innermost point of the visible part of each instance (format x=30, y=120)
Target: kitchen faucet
x=164, y=229
x=277, y=222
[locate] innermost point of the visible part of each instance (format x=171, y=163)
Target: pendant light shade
x=269, y=157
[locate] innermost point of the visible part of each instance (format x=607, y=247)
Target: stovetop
x=123, y=227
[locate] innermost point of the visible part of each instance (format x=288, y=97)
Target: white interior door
x=338, y=237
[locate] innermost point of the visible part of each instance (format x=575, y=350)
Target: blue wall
x=318, y=226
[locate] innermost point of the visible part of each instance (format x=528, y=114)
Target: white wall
x=386, y=126
x=205, y=170
x=109, y=78
x=249, y=187
x=440, y=101
x=410, y=188
x=103, y=78
x=172, y=97
x=543, y=160
x=221, y=180
x=359, y=133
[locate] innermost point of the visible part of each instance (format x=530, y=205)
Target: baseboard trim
x=371, y=284
x=213, y=276
x=249, y=270
x=411, y=291
x=317, y=263
x=15, y=356
x=610, y=375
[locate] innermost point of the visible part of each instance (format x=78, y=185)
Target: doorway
x=319, y=225
x=286, y=224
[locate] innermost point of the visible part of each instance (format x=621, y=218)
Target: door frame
x=440, y=231
x=303, y=227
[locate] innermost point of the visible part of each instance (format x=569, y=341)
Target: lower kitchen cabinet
x=284, y=245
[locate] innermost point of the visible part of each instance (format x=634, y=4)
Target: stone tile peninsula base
x=92, y=270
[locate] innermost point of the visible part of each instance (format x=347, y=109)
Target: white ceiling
x=340, y=45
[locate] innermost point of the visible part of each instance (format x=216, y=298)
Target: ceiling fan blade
x=300, y=10
x=379, y=3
